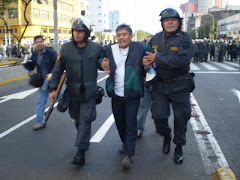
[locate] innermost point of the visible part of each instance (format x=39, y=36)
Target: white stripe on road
x=224, y=66
x=21, y=124
x=103, y=130
x=30, y=119
x=204, y=148
x=209, y=67
x=193, y=67
x=232, y=64
x=215, y=72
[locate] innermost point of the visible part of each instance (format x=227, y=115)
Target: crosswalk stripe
x=224, y=66
x=232, y=64
x=193, y=67
x=209, y=67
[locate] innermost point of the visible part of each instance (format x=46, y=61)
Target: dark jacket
x=81, y=69
x=47, y=64
x=174, y=54
x=134, y=71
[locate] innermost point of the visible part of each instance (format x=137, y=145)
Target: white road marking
x=103, y=130
x=30, y=118
x=215, y=72
x=209, y=67
x=212, y=156
x=193, y=67
x=224, y=66
x=232, y=64
x=19, y=95
x=236, y=93
x=21, y=124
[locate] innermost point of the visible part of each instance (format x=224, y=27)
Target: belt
x=169, y=81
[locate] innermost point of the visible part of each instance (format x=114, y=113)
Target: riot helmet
x=82, y=24
x=170, y=13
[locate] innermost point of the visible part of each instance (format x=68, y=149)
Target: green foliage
x=192, y=34
x=4, y=5
x=201, y=32
x=142, y=34
x=99, y=36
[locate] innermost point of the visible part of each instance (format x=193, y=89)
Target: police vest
x=81, y=70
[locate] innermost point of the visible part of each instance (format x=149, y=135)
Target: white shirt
x=120, y=56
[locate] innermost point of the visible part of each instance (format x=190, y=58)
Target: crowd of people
x=216, y=50
x=169, y=53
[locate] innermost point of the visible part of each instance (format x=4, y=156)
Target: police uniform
x=172, y=84
x=81, y=64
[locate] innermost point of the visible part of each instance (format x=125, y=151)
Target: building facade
x=113, y=20
x=41, y=20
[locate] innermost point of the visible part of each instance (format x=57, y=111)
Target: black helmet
x=83, y=24
x=169, y=13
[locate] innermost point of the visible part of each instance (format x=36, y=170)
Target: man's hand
x=52, y=96
x=149, y=59
x=105, y=65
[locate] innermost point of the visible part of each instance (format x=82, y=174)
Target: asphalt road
x=46, y=154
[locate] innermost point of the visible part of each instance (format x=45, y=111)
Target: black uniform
x=172, y=84
x=81, y=67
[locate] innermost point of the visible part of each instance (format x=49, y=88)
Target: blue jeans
x=144, y=107
x=41, y=102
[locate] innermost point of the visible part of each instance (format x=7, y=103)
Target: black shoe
x=178, y=155
x=166, y=144
x=79, y=158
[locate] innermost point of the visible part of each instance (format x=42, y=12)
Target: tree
x=5, y=5
x=142, y=34
x=192, y=34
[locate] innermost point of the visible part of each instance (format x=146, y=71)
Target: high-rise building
x=113, y=20
x=98, y=15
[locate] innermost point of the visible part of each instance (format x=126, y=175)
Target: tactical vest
x=81, y=70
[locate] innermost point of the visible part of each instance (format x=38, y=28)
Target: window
x=59, y=17
x=15, y=30
x=13, y=13
x=0, y=31
x=36, y=13
x=45, y=1
x=10, y=30
x=51, y=30
x=69, y=32
x=64, y=31
x=44, y=15
x=51, y=2
x=51, y=16
x=65, y=19
x=70, y=8
x=59, y=31
x=59, y=4
x=65, y=6
x=44, y=30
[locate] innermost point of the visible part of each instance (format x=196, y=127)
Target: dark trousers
x=178, y=96
x=125, y=114
x=83, y=113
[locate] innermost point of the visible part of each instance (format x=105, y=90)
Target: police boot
x=79, y=158
x=166, y=144
x=178, y=155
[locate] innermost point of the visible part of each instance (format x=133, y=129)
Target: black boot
x=166, y=144
x=79, y=158
x=178, y=155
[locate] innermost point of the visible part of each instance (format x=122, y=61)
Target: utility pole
x=56, y=43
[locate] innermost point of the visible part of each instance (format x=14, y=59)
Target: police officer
x=79, y=58
x=173, y=53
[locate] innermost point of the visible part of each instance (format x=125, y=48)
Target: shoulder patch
x=154, y=46
x=59, y=56
x=174, y=48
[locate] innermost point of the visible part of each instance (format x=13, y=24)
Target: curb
x=14, y=79
x=224, y=174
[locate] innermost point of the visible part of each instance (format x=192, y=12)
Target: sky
x=144, y=14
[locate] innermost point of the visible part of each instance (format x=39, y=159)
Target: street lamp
x=212, y=25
